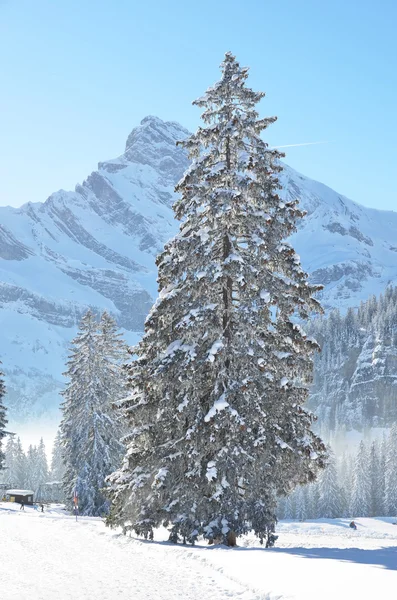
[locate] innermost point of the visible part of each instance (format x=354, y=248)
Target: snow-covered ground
x=46, y=556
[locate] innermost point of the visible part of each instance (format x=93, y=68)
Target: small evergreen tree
x=345, y=480
x=301, y=503
x=21, y=467
x=31, y=468
x=90, y=428
x=391, y=473
x=376, y=498
x=10, y=461
x=41, y=465
x=216, y=409
x=290, y=507
x=3, y=419
x=57, y=465
x=382, y=475
x=313, y=501
x=361, y=494
x=329, y=491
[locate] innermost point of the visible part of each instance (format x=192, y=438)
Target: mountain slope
x=355, y=383
x=96, y=247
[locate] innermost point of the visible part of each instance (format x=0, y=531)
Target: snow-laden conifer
x=313, y=508
x=222, y=372
x=20, y=476
x=301, y=503
x=361, y=494
x=3, y=419
x=10, y=460
x=376, y=478
x=290, y=507
x=330, y=505
x=57, y=465
x=345, y=480
x=391, y=472
x=90, y=428
x=31, y=481
x=41, y=464
x=382, y=475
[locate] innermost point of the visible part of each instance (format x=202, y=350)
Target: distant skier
x=353, y=525
x=42, y=507
x=22, y=507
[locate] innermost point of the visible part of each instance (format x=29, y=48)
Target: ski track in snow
x=47, y=556
x=51, y=557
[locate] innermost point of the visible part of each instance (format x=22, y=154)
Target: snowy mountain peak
x=153, y=143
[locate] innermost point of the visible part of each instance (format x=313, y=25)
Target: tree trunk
x=228, y=288
x=231, y=539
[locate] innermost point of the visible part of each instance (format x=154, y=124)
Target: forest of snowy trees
x=358, y=484
x=355, y=372
x=30, y=469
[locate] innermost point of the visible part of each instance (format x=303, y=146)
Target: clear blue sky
x=77, y=76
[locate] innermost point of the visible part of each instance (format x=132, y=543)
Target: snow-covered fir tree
x=301, y=503
x=217, y=391
x=20, y=473
x=330, y=505
x=290, y=507
x=41, y=464
x=91, y=427
x=376, y=478
x=3, y=419
x=57, y=465
x=382, y=475
x=360, y=497
x=391, y=473
x=313, y=509
x=32, y=468
x=10, y=461
x=114, y=353
x=345, y=479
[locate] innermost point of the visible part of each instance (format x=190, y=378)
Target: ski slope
x=50, y=555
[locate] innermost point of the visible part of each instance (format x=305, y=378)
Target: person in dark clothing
x=42, y=507
x=22, y=506
x=353, y=525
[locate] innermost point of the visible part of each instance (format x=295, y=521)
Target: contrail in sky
x=304, y=144
x=271, y=147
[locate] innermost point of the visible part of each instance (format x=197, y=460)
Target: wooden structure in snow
x=21, y=496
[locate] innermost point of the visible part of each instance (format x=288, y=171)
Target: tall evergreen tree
x=345, y=480
x=290, y=507
x=382, y=475
x=376, y=491
x=32, y=468
x=41, y=465
x=21, y=467
x=301, y=502
x=313, y=502
x=3, y=419
x=10, y=462
x=329, y=491
x=57, y=465
x=360, y=498
x=391, y=473
x=216, y=409
x=90, y=428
